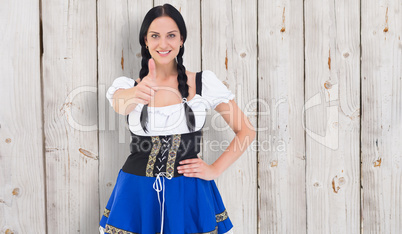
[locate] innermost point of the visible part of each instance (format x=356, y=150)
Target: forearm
x=236, y=148
x=123, y=101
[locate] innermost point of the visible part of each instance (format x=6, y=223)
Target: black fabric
x=141, y=148
x=198, y=83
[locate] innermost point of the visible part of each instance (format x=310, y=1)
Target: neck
x=166, y=71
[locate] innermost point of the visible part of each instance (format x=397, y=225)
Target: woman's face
x=163, y=40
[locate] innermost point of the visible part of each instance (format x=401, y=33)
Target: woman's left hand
x=196, y=167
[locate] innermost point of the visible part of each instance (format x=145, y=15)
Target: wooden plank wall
x=22, y=174
x=332, y=58
x=230, y=51
x=281, y=158
x=69, y=63
x=320, y=80
x=381, y=120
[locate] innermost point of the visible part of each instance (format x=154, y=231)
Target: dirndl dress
x=150, y=196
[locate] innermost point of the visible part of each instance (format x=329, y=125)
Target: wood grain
x=332, y=108
x=22, y=187
x=381, y=133
x=70, y=109
x=299, y=70
x=229, y=49
x=281, y=158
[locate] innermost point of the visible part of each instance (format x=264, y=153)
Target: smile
x=164, y=52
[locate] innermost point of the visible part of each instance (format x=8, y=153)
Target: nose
x=162, y=43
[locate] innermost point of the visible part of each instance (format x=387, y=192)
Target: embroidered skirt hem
x=191, y=206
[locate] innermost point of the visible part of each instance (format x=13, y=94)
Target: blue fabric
x=190, y=206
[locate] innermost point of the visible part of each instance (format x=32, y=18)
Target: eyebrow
x=158, y=33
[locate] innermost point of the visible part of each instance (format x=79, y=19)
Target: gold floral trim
x=114, y=230
x=222, y=216
x=211, y=232
x=156, y=145
x=106, y=213
x=172, y=155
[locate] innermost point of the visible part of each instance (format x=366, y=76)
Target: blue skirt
x=188, y=204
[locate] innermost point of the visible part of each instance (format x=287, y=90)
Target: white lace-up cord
x=158, y=186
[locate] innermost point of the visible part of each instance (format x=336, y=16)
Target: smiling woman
x=163, y=40
x=166, y=139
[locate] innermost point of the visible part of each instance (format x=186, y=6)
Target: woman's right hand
x=145, y=90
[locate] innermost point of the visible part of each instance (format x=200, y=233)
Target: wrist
x=217, y=170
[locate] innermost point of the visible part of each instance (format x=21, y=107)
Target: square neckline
x=172, y=105
x=198, y=77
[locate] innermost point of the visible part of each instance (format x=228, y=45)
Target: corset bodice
x=151, y=155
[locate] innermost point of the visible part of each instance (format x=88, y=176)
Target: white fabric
x=158, y=187
x=171, y=119
x=121, y=82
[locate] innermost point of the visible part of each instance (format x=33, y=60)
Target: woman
x=166, y=110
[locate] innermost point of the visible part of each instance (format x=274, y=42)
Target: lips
x=164, y=52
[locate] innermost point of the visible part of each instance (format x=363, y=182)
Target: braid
x=183, y=89
x=143, y=72
x=144, y=62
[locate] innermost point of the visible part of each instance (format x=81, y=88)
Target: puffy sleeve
x=121, y=82
x=213, y=90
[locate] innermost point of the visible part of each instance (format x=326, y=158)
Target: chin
x=166, y=60
x=163, y=61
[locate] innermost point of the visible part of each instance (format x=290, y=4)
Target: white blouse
x=167, y=120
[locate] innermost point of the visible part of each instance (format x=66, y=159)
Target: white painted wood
x=119, y=54
x=306, y=184
x=229, y=39
x=190, y=10
x=381, y=92
x=332, y=123
x=69, y=68
x=22, y=201
x=281, y=158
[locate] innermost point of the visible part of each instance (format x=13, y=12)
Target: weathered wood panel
x=229, y=49
x=281, y=158
x=119, y=53
x=70, y=115
x=306, y=184
x=381, y=134
x=22, y=188
x=332, y=108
